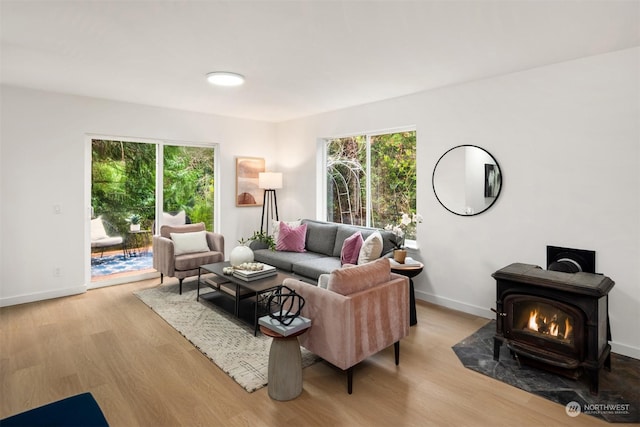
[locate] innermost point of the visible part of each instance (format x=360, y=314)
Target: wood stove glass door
x=545, y=324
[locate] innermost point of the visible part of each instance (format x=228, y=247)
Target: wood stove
x=554, y=320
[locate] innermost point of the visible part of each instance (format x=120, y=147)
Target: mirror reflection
x=467, y=180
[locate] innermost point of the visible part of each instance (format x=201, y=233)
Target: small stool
x=285, y=365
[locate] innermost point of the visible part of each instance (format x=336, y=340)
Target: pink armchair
x=174, y=261
x=363, y=310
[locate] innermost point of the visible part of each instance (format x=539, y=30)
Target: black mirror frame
x=433, y=184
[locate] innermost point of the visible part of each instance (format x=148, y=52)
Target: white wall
x=42, y=146
x=566, y=137
x=567, y=140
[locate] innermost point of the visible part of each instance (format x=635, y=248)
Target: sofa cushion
x=97, y=229
x=321, y=236
x=371, y=248
x=179, y=218
x=194, y=260
x=276, y=227
x=283, y=260
x=166, y=230
x=351, y=248
x=313, y=268
x=348, y=280
x=186, y=243
x=347, y=230
x=291, y=239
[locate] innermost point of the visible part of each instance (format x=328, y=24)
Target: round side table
x=285, y=365
x=410, y=271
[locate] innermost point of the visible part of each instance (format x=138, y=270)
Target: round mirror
x=467, y=180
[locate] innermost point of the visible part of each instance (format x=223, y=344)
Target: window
x=371, y=179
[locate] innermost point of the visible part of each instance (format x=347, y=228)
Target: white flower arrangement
x=406, y=221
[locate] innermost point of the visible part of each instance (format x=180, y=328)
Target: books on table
x=408, y=261
x=249, y=275
x=298, y=324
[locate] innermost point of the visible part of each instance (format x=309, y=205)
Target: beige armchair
x=183, y=253
x=363, y=310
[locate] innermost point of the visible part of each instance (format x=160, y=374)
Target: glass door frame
x=159, y=143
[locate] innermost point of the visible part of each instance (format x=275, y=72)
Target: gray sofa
x=323, y=246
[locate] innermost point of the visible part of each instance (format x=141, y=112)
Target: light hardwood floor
x=144, y=373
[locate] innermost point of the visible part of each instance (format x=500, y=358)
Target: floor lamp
x=270, y=182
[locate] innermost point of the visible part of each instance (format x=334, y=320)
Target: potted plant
x=407, y=222
x=264, y=238
x=134, y=222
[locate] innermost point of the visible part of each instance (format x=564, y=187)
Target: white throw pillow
x=275, y=225
x=371, y=248
x=97, y=229
x=172, y=220
x=187, y=243
x=323, y=280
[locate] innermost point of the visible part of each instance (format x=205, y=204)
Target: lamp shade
x=270, y=180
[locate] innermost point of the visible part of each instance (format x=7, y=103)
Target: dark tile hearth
x=620, y=386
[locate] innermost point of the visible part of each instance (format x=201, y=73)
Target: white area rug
x=227, y=341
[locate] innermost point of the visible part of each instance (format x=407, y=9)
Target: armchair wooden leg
x=181, y=286
x=396, y=348
x=350, y=380
x=161, y=278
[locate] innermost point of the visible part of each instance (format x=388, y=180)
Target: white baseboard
x=616, y=347
x=455, y=305
x=40, y=296
x=121, y=280
x=625, y=350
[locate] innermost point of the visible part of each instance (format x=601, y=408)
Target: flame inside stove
x=549, y=325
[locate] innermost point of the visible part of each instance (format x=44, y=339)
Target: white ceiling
x=299, y=57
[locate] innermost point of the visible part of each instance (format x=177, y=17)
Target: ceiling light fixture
x=225, y=78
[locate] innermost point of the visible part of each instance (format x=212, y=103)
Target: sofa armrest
x=257, y=244
x=329, y=311
x=163, y=255
x=215, y=242
x=381, y=317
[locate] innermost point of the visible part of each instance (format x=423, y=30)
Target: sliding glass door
x=188, y=183
x=126, y=176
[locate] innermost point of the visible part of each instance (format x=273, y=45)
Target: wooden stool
x=285, y=365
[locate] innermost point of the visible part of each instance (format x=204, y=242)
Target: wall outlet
x=57, y=272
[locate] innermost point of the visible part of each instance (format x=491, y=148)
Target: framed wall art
x=247, y=191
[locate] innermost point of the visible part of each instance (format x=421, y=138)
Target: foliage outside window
x=371, y=179
x=124, y=182
x=189, y=182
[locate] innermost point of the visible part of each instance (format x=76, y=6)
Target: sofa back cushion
x=347, y=230
x=166, y=230
x=321, y=237
x=97, y=229
x=349, y=280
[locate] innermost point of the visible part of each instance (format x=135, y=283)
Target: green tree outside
x=392, y=179
x=123, y=182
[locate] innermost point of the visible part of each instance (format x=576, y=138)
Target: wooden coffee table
x=237, y=289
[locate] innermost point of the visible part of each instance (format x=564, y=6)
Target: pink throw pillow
x=351, y=248
x=291, y=239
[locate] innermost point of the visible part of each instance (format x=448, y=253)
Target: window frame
x=322, y=201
